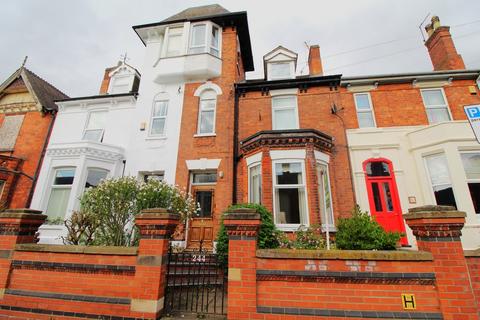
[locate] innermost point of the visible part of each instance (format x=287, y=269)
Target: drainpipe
x=235, y=145
x=42, y=156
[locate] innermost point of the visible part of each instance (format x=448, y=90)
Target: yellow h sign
x=408, y=301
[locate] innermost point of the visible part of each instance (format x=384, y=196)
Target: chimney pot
x=315, y=61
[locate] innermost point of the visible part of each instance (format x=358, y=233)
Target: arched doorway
x=383, y=195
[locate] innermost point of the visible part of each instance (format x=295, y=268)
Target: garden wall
x=432, y=283
x=67, y=282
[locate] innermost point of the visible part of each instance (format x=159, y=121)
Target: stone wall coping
x=242, y=214
x=472, y=253
x=160, y=214
x=22, y=210
x=102, y=250
x=434, y=215
x=22, y=215
x=394, y=255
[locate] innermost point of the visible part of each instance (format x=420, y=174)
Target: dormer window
x=123, y=79
x=205, y=37
x=280, y=63
x=121, y=84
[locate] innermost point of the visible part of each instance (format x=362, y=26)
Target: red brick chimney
x=441, y=48
x=315, y=61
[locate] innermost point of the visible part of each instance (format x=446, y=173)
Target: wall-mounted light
x=143, y=125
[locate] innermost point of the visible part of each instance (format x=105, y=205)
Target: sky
x=70, y=43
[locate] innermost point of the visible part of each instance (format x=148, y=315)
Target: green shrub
x=361, y=232
x=267, y=236
x=110, y=209
x=304, y=238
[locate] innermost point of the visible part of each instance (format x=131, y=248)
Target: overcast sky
x=69, y=43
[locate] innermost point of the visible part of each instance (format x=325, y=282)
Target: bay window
x=435, y=105
x=204, y=37
x=325, y=196
x=440, y=179
x=363, y=104
x=94, y=177
x=284, y=113
x=471, y=165
x=255, y=183
x=95, y=126
x=60, y=192
x=290, y=203
x=206, y=114
x=159, y=117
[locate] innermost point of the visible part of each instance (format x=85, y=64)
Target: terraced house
x=308, y=147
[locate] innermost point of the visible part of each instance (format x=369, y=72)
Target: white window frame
x=53, y=186
x=193, y=183
x=205, y=38
x=152, y=118
x=202, y=109
x=331, y=226
x=289, y=226
x=274, y=108
x=249, y=167
x=467, y=180
x=436, y=107
x=167, y=39
x=291, y=68
x=94, y=129
x=365, y=110
x=97, y=169
x=430, y=182
x=145, y=174
x=207, y=44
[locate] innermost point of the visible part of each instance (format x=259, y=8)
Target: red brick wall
x=402, y=104
x=221, y=145
x=473, y=263
x=29, y=146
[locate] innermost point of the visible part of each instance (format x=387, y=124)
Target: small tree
x=361, y=232
x=110, y=209
x=267, y=236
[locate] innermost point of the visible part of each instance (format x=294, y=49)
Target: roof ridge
x=45, y=81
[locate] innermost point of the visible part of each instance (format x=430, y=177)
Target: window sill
x=290, y=227
x=156, y=137
x=201, y=135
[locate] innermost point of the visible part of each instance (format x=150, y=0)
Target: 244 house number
x=199, y=258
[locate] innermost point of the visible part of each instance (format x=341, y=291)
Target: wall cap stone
x=472, y=253
x=23, y=214
x=157, y=213
x=429, y=208
x=242, y=214
x=394, y=255
x=434, y=215
x=101, y=250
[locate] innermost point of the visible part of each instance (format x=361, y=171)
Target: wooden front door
x=201, y=225
x=383, y=195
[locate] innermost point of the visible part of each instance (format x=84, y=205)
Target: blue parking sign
x=473, y=115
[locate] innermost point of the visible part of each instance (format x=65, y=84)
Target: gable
x=16, y=98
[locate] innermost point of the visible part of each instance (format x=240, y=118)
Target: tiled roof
x=196, y=12
x=44, y=91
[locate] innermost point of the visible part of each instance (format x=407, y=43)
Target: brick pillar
x=156, y=226
x=16, y=226
x=267, y=191
x=438, y=230
x=242, y=227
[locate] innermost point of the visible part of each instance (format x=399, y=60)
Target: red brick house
x=27, y=113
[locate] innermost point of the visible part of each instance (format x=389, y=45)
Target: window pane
x=204, y=199
x=93, y=135
x=215, y=41
x=255, y=184
x=377, y=199
x=280, y=70
x=324, y=192
x=285, y=119
x=158, y=126
x=365, y=119
x=438, y=169
x=279, y=102
x=388, y=196
x=438, y=115
x=64, y=177
x=288, y=173
x=475, y=195
x=444, y=195
x=174, y=45
x=160, y=108
x=362, y=102
x=205, y=177
x=433, y=98
x=290, y=206
x=471, y=163
x=97, y=120
x=198, y=35
x=155, y=176
x=57, y=204
x=94, y=176
x=377, y=169
x=206, y=121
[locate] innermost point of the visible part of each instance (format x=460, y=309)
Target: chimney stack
x=106, y=79
x=315, y=61
x=441, y=48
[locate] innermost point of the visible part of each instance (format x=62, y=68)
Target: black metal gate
x=196, y=283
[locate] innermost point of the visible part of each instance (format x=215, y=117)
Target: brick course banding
x=70, y=297
x=72, y=267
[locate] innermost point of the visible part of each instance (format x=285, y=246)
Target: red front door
x=383, y=195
